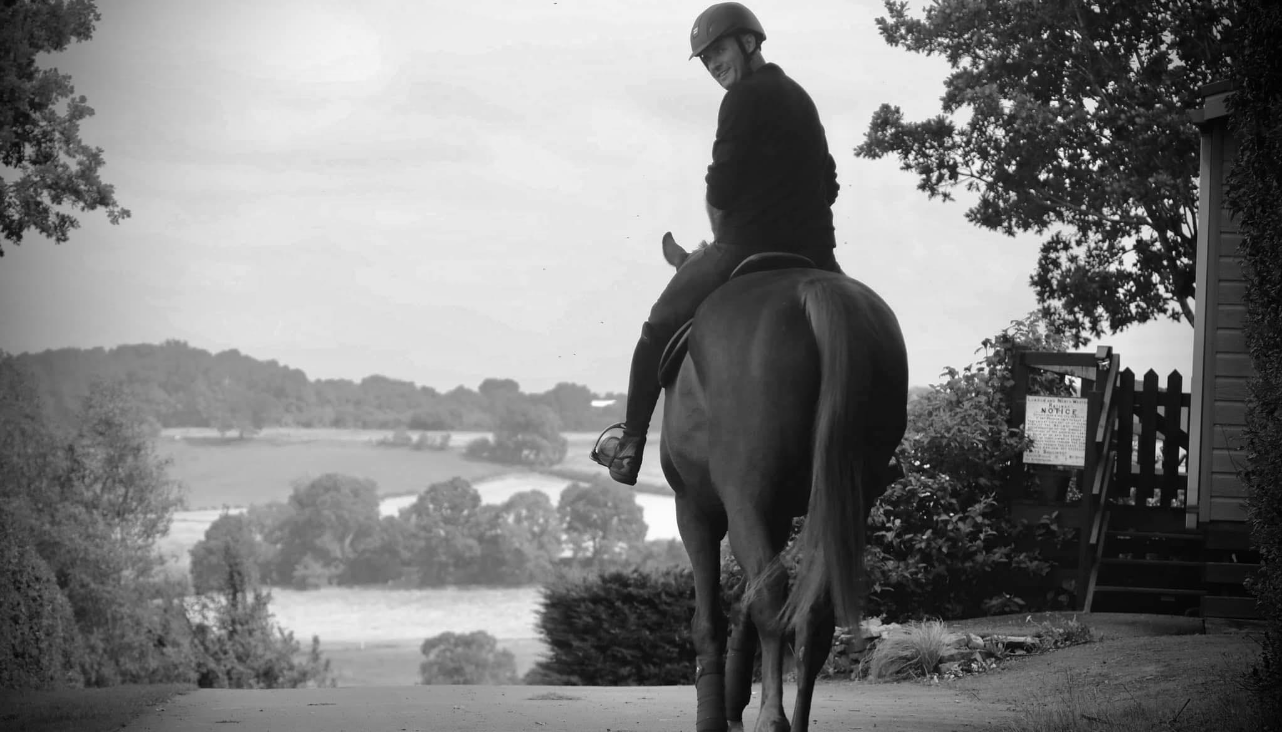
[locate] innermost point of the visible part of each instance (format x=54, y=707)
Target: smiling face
x=725, y=61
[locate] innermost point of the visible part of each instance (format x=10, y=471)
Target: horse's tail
x=831, y=544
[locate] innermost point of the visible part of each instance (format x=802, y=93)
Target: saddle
x=675, y=351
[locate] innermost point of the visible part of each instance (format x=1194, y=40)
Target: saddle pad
x=675, y=350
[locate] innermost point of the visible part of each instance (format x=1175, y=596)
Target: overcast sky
x=447, y=191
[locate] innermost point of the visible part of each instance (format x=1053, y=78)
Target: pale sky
x=442, y=191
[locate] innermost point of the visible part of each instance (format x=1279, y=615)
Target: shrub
x=940, y=542
x=617, y=629
x=39, y=643
x=472, y=658
x=939, y=549
x=239, y=646
x=912, y=654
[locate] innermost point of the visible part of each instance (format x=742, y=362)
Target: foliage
x=91, y=501
x=941, y=548
x=229, y=540
x=180, y=386
x=1255, y=187
x=1076, y=126
x=602, y=521
x=940, y=542
x=520, y=540
x=80, y=513
x=617, y=629
x=39, y=136
x=241, y=647
x=445, y=520
x=472, y=658
x=526, y=434
x=331, y=517
x=913, y=654
x=39, y=641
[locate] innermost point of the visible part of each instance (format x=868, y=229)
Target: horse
x=790, y=401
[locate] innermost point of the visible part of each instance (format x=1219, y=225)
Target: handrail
x=1106, y=407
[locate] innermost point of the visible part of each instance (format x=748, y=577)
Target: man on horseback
x=770, y=187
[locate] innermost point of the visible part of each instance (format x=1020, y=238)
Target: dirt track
x=837, y=706
x=1135, y=656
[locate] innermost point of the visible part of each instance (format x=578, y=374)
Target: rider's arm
x=731, y=169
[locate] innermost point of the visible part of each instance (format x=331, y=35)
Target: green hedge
x=1255, y=190
x=39, y=644
x=617, y=629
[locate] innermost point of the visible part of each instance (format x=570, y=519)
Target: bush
x=472, y=658
x=239, y=646
x=940, y=542
x=937, y=549
x=39, y=643
x=617, y=629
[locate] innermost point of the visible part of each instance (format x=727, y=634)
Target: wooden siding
x=1221, y=364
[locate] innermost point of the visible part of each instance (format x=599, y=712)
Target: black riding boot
x=622, y=455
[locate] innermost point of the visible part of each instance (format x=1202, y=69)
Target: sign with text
x=1058, y=428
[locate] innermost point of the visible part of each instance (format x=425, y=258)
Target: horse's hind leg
x=739, y=660
x=702, y=536
x=814, y=642
x=757, y=548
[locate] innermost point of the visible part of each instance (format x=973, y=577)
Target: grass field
x=220, y=473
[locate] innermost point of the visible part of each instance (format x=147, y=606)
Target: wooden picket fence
x=1152, y=445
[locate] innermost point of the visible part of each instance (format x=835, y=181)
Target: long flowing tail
x=831, y=544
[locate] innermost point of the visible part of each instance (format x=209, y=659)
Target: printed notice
x=1058, y=428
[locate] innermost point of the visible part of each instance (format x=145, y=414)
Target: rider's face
x=725, y=61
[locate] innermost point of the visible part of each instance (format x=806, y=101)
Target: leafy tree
x=330, y=516
x=527, y=434
x=521, y=539
x=445, y=520
x=472, y=658
x=91, y=502
x=1076, y=128
x=241, y=647
x=383, y=557
x=229, y=540
x=39, y=137
x=602, y=521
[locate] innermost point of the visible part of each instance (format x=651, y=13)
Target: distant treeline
x=330, y=532
x=179, y=386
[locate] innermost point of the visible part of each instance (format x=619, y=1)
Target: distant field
x=229, y=472
x=220, y=473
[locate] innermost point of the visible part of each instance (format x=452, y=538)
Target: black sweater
x=771, y=172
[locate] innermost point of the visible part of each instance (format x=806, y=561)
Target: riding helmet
x=719, y=20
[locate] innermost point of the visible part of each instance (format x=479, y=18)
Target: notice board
x=1058, y=428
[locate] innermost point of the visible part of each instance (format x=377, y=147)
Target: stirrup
x=595, y=455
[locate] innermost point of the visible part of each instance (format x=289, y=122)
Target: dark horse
x=791, y=401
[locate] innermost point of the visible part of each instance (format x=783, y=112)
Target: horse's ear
x=673, y=252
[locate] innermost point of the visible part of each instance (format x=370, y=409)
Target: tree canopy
x=177, y=385
x=1070, y=120
x=40, y=117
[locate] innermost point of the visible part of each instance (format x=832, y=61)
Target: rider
x=771, y=186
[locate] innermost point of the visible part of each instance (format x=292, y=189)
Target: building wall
x=1221, y=365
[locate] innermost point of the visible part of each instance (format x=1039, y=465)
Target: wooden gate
x=1135, y=552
